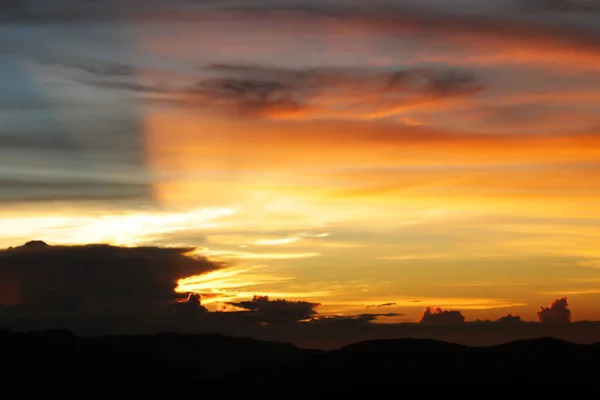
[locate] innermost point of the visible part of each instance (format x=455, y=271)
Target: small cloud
x=256, y=256
x=558, y=312
x=315, y=235
x=190, y=306
x=509, y=319
x=437, y=316
x=279, y=310
x=381, y=305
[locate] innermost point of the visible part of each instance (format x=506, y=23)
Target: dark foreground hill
x=61, y=363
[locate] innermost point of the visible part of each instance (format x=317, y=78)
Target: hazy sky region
x=351, y=153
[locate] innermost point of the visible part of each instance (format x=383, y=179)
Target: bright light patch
x=273, y=242
x=117, y=229
x=254, y=256
x=230, y=284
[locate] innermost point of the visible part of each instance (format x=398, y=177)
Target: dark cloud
x=277, y=311
x=96, y=278
x=437, y=316
x=247, y=96
x=261, y=89
x=189, y=308
x=381, y=305
x=359, y=320
x=127, y=86
x=557, y=313
x=118, y=77
x=108, y=69
x=509, y=319
x=438, y=83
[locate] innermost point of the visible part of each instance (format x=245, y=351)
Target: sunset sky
x=351, y=153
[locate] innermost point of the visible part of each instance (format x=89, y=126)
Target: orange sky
x=354, y=157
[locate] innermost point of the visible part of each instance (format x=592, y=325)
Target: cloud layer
x=96, y=278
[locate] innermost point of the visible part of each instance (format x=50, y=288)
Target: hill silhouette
x=60, y=362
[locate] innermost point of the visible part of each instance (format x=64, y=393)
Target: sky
x=354, y=154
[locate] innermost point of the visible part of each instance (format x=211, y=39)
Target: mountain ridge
x=55, y=360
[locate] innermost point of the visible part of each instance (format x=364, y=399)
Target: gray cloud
x=127, y=86
x=561, y=6
x=498, y=20
x=247, y=95
x=44, y=191
x=255, y=89
x=107, y=69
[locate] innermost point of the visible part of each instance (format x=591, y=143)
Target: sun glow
x=229, y=284
x=117, y=229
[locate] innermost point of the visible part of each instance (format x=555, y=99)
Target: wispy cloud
x=232, y=254
x=570, y=292
x=343, y=93
x=228, y=284
x=274, y=242
x=290, y=239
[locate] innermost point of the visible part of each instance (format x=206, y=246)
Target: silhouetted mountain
x=60, y=362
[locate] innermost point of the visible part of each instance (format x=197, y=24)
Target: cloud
x=106, y=69
x=558, y=312
x=325, y=92
x=279, y=310
x=124, y=86
x=560, y=6
x=509, y=319
x=257, y=256
x=34, y=190
x=246, y=96
x=381, y=305
x=503, y=23
x=359, y=320
x=437, y=316
x=83, y=280
x=190, y=308
x=278, y=241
